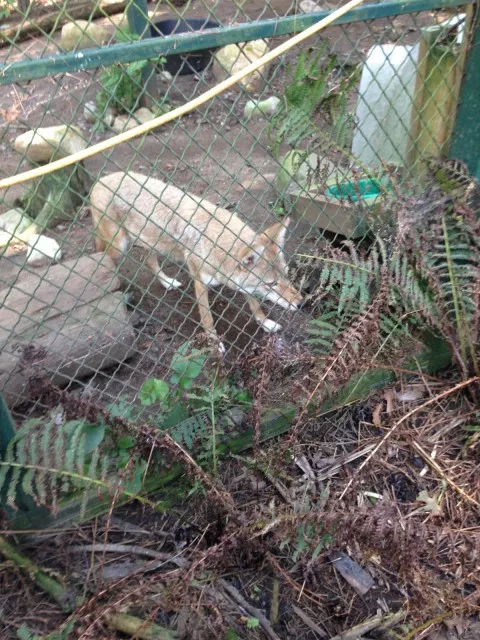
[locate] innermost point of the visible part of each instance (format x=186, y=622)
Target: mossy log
x=56, y=197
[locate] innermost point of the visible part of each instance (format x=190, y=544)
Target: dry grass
x=391, y=482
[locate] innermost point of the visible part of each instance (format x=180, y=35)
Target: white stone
x=82, y=35
x=15, y=225
x=232, y=58
x=124, y=123
x=143, y=115
x=90, y=112
x=165, y=76
x=266, y=107
x=309, y=6
x=39, y=145
x=42, y=249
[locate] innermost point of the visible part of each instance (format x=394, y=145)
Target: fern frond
x=433, y=262
x=46, y=460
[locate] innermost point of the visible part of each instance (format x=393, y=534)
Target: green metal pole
x=138, y=22
x=466, y=134
x=33, y=69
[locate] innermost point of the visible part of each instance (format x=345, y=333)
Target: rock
x=109, y=117
x=40, y=145
x=90, y=112
x=124, y=123
x=143, y=115
x=165, y=77
x=91, y=115
x=43, y=249
x=235, y=416
x=263, y=108
x=56, y=197
x=232, y=58
x=16, y=225
x=304, y=170
x=82, y=35
x=309, y=6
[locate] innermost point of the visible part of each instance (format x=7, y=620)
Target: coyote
x=217, y=246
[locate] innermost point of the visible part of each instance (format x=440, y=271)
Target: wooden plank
x=68, y=347
x=37, y=296
x=435, y=101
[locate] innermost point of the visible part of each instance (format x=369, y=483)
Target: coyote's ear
x=277, y=232
x=248, y=256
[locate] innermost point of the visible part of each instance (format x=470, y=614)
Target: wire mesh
x=103, y=327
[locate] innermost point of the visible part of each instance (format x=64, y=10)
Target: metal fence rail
x=104, y=328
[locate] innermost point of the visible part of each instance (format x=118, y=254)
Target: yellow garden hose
x=182, y=110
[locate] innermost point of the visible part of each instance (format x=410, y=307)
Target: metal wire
x=214, y=153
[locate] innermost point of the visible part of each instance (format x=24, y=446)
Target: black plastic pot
x=185, y=63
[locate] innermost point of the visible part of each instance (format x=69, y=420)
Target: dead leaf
x=10, y=115
x=431, y=503
x=410, y=394
x=389, y=396
x=377, y=420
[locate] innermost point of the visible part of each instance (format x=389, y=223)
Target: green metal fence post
x=137, y=13
x=466, y=136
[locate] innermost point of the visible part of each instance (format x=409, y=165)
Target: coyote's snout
x=218, y=247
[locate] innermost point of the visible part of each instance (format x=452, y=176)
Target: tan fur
x=217, y=246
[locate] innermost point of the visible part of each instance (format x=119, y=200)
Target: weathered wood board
x=64, y=322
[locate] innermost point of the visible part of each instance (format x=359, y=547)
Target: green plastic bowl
x=363, y=189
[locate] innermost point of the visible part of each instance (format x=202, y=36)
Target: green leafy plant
x=188, y=408
x=308, y=539
x=312, y=84
x=121, y=85
x=51, y=458
x=253, y=623
x=48, y=459
x=7, y=7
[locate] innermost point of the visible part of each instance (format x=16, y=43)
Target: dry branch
x=138, y=628
x=434, y=399
x=250, y=609
x=368, y=625
x=43, y=580
x=49, y=23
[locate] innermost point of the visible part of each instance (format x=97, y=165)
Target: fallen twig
x=309, y=622
x=126, y=548
x=250, y=609
x=429, y=460
x=48, y=584
x=142, y=629
x=440, y=396
x=275, y=601
x=368, y=625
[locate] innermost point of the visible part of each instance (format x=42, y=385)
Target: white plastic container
x=385, y=105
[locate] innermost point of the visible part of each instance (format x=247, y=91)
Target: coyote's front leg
x=201, y=294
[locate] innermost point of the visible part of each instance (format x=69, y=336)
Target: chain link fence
x=319, y=138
